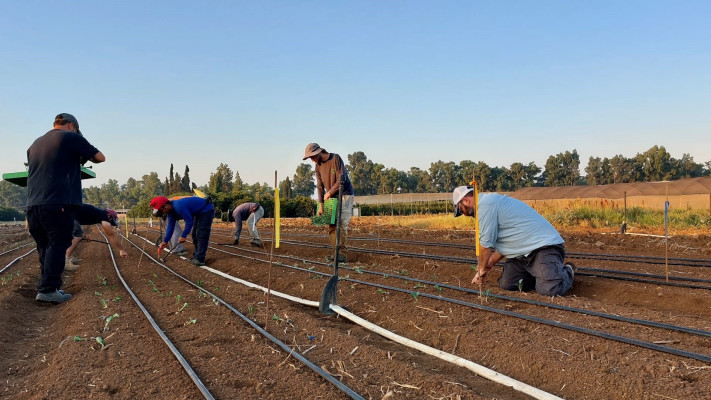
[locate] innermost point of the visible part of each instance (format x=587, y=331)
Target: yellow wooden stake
x=277, y=219
x=476, y=213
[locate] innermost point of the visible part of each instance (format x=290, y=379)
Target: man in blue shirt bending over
x=194, y=211
x=509, y=228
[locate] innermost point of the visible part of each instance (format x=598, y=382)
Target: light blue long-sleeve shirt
x=512, y=227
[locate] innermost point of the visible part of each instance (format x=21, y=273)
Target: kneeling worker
x=194, y=211
x=509, y=228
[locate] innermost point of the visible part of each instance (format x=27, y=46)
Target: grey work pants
x=542, y=269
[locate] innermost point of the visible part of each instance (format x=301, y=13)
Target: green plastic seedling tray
x=330, y=208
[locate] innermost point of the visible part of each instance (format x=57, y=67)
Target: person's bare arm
x=98, y=158
x=113, y=238
x=487, y=259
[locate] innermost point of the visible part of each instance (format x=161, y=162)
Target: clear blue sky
x=250, y=83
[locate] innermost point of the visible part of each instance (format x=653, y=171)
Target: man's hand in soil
x=123, y=253
x=480, y=277
x=182, y=240
x=161, y=247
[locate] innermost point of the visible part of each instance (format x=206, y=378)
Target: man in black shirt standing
x=53, y=195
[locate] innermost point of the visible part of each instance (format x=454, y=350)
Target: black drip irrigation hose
x=186, y=366
x=473, y=261
x=340, y=385
x=614, y=317
x=592, y=332
x=608, y=257
x=16, y=260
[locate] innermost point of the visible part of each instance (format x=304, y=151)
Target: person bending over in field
x=509, y=228
x=252, y=213
x=194, y=211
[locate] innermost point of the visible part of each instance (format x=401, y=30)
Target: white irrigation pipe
x=17, y=259
x=451, y=358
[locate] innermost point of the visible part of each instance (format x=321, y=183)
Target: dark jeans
x=542, y=270
x=51, y=226
x=202, y=224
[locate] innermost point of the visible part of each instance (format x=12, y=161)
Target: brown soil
x=50, y=351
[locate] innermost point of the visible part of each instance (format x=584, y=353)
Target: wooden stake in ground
x=271, y=253
x=666, y=245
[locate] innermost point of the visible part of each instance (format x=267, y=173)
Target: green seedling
x=170, y=293
x=215, y=302
x=381, y=291
x=317, y=276
x=433, y=277
x=357, y=270
x=199, y=282
x=178, y=298
x=217, y=288
x=520, y=285
x=98, y=294
x=415, y=295
x=117, y=298
x=311, y=268
x=78, y=338
x=9, y=278
x=403, y=272
x=486, y=294
x=100, y=279
x=276, y=318
x=101, y=341
x=103, y=303
x=251, y=309
x=191, y=321
x=347, y=276
x=109, y=319
x=438, y=288
x=154, y=275
x=419, y=285
x=183, y=307
x=351, y=286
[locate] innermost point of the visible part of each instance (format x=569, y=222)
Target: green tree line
x=227, y=190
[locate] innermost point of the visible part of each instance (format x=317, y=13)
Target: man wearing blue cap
x=509, y=228
x=53, y=196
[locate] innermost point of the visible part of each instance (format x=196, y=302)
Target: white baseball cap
x=458, y=195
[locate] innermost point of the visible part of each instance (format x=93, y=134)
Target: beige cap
x=312, y=149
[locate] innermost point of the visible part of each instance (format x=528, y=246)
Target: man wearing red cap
x=194, y=211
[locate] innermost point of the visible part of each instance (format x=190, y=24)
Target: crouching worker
x=509, y=228
x=197, y=213
x=252, y=213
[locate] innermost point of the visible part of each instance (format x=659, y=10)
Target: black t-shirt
x=90, y=215
x=54, y=175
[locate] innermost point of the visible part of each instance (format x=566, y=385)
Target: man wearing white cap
x=509, y=228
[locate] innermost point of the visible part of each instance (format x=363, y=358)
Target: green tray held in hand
x=330, y=208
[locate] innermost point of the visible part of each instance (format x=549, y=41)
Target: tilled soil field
x=631, y=338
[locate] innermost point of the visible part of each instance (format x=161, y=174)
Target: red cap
x=158, y=202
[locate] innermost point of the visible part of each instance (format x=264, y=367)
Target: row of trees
x=227, y=189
